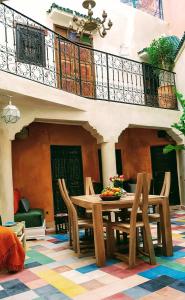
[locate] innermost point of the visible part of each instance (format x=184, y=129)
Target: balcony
x=34, y=52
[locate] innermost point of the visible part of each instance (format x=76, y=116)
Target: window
x=84, y=39
x=30, y=45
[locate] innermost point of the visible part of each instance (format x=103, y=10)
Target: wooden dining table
x=94, y=203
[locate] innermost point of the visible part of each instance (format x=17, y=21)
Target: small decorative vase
x=118, y=183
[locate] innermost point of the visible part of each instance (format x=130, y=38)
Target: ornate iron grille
x=32, y=51
x=153, y=7
x=30, y=45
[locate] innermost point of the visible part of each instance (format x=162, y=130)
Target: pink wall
x=174, y=14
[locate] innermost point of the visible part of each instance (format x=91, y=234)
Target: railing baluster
x=80, y=75
x=108, y=86
x=60, y=63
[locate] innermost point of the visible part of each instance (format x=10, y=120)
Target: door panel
x=162, y=163
x=76, y=64
x=66, y=162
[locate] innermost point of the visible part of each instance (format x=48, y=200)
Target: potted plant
x=117, y=180
x=161, y=55
x=180, y=126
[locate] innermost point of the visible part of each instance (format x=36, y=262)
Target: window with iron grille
x=30, y=45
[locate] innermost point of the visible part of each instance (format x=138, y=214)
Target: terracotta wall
x=135, y=145
x=31, y=158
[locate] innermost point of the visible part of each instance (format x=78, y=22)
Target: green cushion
x=24, y=205
x=33, y=218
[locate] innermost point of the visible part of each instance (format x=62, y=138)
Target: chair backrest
x=65, y=196
x=165, y=191
x=141, y=190
x=89, y=190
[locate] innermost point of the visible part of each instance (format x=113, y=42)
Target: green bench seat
x=33, y=218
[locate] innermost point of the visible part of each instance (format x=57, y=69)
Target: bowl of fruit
x=111, y=193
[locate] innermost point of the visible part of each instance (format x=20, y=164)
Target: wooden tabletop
x=87, y=201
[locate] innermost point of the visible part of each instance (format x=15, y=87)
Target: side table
x=61, y=222
x=19, y=230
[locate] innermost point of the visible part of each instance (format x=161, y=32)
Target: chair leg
x=70, y=232
x=145, y=241
x=56, y=227
x=110, y=241
x=158, y=233
x=78, y=247
x=74, y=237
x=132, y=250
x=86, y=234
x=149, y=244
x=117, y=231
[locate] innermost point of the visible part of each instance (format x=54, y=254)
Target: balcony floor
x=52, y=271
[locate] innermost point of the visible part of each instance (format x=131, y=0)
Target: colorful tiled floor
x=52, y=271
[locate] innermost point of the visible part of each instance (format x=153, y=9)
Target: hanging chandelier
x=90, y=24
x=10, y=113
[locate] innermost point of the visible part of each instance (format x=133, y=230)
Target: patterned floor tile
x=179, y=285
x=153, y=296
x=30, y=295
x=12, y=287
x=87, y=269
x=136, y=292
x=157, y=283
x=46, y=290
x=163, y=270
x=53, y=271
x=92, y=284
x=119, y=296
x=107, y=279
x=62, y=269
x=32, y=265
x=36, y=284
x=170, y=293
x=64, y=285
x=76, y=277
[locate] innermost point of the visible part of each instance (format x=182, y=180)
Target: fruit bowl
x=109, y=198
x=110, y=193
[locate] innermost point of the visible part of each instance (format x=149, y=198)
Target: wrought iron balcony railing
x=32, y=51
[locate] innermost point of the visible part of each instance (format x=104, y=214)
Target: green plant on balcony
x=180, y=126
x=161, y=55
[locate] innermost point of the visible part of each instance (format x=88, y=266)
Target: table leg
x=166, y=227
x=24, y=238
x=98, y=234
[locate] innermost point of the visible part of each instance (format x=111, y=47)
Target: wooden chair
x=89, y=189
x=140, y=200
x=126, y=213
x=75, y=223
x=165, y=191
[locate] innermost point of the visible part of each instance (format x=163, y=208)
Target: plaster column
x=108, y=161
x=181, y=175
x=6, y=182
